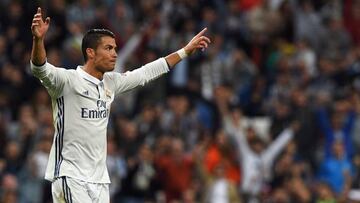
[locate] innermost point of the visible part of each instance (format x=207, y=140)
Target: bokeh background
x=271, y=63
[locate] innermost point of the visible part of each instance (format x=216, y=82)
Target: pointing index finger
x=201, y=32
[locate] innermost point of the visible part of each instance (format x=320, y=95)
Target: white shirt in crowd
x=256, y=168
x=219, y=192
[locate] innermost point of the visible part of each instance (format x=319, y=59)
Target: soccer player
x=81, y=102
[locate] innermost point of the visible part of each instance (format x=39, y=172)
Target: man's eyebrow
x=111, y=46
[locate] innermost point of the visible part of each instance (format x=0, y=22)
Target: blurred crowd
x=268, y=113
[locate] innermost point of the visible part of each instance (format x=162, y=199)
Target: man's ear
x=90, y=53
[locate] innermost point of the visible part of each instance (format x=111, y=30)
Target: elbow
x=35, y=69
x=37, y=62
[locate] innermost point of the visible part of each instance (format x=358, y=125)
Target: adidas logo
x=86, y=93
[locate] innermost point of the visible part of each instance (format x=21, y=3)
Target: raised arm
x=39, y=29
x=347, y=129
x=199, y=41
x=151, y=71
x=280, y=143
x=238, y=135
x=51, y=77
x=325, y=127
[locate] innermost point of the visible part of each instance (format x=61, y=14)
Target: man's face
x=105, y=54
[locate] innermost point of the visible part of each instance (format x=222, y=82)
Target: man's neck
x=91, y=70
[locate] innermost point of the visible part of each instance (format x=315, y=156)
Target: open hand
x=39, y=27
x=199, y=41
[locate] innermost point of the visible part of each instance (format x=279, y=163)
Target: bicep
x=127, y=81
x=140, y=76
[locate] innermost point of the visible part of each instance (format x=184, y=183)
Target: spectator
x=257, y=160
x=116, y=166
x=175, y=171
x=324, y=193
x=338, y=128
x=336, y=170
x=220, y=154
x=139, y=182
x=9, y=188
x=219, y=188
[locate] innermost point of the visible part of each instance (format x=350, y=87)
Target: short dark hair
x=92, y=38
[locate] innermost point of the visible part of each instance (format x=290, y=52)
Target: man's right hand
x=199, y=41
x=39, y=27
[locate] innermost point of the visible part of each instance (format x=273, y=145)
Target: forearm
x=173, y=59
x=278, y=144
x=38, y=53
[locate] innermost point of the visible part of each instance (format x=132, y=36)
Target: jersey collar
x=87, y=76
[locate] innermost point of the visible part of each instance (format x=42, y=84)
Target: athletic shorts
x=70, y=190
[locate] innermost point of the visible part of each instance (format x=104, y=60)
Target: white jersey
x=81, y=107
x=256, y=168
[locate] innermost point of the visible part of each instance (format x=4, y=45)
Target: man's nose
x=114, y=53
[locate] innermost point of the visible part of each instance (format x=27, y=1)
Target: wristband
x=182, y=53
